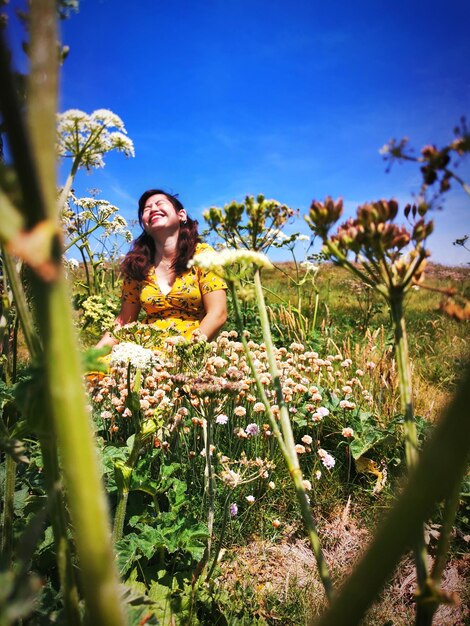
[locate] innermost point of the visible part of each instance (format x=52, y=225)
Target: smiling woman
x=157, y=278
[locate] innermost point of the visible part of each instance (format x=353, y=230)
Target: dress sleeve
x=130, y=290
x=208, y=281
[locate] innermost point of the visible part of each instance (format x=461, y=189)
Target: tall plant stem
x=290, y=454
x=411, y=437
x=8, y=511
x=68, y=582
x=68, y=413
x=22, y=308
x=221, y=538
x=209, y=485
x=120, y=514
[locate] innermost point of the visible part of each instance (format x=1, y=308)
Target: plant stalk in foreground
x=283, y=431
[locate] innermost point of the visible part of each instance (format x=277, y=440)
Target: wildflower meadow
x=308, y=466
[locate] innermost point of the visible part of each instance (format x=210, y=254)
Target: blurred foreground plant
x=31, y=232
x=390, y=259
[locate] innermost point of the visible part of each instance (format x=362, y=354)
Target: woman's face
x=159, y=213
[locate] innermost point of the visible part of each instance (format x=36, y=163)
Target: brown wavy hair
x=140, y=258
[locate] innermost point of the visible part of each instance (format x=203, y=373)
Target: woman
x=157, y=279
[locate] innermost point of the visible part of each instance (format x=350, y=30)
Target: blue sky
x=225, y=98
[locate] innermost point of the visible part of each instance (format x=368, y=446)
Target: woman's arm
x=215, y=306
x=128, y=313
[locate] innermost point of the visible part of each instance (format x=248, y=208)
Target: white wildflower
x=140, y=358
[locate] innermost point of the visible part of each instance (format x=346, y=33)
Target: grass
x=268, y=573
x=357, y=320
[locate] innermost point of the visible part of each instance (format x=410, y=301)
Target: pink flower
x=326, y=458
x=347, y=432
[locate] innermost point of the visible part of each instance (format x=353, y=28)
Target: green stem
x=254, y=372
x=290, y=456
x=87, y=271
x=8, y=511
x=68, y=412
x=22, y=308
x=68, y=184
x=406, y=400
x=68, y=583
x=120, y=514
x=209, y=484
x=221, y=537
x=450, y=509
x=315, y=313
x=81, y=237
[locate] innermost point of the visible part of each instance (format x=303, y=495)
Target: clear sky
x=225, y=98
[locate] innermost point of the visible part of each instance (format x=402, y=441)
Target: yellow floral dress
x=182, y=308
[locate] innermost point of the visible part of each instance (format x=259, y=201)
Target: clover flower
x=347, y=432
x=233, y=509
x=326, y=458
x=250, y=499
x=252, y=430
x=221, y=419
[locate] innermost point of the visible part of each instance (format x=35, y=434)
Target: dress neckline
x=164, y=292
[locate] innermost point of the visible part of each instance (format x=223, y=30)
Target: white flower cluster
x=140, y=358
x=88, y=137
x=221, y=261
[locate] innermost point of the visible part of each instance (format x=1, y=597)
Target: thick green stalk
x=440, y=470
x=8, y=511
x=68, y=582
x=290, y=456
x=68, y=411
x=411, y=437
x=120, y=514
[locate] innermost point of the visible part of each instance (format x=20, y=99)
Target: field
x=262, y=569
x=308, y=466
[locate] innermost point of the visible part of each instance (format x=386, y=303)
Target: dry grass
x=287, y=570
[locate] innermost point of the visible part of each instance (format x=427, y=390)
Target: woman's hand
x=129, y=313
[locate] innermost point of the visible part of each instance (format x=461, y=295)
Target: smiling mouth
x=155, y=216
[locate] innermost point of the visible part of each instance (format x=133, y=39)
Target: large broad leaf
x=368, y=434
